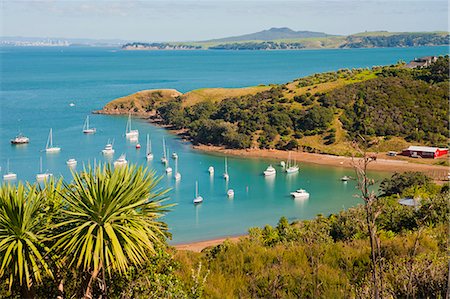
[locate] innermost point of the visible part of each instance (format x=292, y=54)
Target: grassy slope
x=218, y=94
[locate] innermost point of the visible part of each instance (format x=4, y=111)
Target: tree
x=364, y=184
x=22, y=238
x=110, y=221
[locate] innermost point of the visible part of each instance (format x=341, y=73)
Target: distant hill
x=272, y=34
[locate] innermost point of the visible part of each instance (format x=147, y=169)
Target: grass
x=141, y=99
x=218, y=94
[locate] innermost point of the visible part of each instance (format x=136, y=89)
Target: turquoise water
x=37, y=85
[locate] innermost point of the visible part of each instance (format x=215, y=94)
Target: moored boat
x=86, y=129
x=9, y=176
x=20, y=139
x=71, y=162
x=122, y=161
x=49, y=148
x=41, y=176
x=108, y=150
x=226, y=176
x=129, y=132
x=211, y=170
x=149, y=155
x=300, y=194
x=230, y=193
x=197, y=199
x=270, y=171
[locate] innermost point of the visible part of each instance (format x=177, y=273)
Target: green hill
x=391, y=106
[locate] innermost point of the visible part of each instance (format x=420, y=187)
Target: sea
x=38, y=84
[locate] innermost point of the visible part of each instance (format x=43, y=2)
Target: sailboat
x=198, y=199
x=149, y=155
x=177, y=174
x=9, y=175
x=86, y=129
x=130, y=133
x=225, y=174
x=291, y=167
x=164, y=158
x=42, y=175
x=71, y=162
x=49, y=148
x=168, y=168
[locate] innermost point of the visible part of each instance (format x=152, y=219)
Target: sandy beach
x=200, y=245
x=382, y=163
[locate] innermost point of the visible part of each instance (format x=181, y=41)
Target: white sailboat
x=291, y=167
x=230, y=193
x=198, y=199
x=9, y=175
x=168, y=168
x=49, y=148
x=270, y=171
x=164, y=158
x=86, y=129
x=225, y=174
x=174, y=156
x=108, y=150
x=130, y=133
x=177, y=174
x=149, y=155
x=42, y=175
x=122, y=161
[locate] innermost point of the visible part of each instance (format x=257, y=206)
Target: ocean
x=38, y=84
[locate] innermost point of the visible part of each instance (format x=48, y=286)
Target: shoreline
x=198, y=246
x=385, y=164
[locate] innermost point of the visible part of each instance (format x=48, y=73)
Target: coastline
x=437, y=172
x=198, y=246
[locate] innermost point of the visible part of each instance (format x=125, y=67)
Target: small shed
x=424, y=152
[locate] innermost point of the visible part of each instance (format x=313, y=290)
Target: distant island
x=288, y=39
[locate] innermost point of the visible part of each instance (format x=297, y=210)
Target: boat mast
x=40, y=164
x=49, y=140
x=148, y=144
x=196, y=189
x=164, y=148
x=176, y=166
x=226, y=166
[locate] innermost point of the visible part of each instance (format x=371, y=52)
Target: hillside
x=390, y=106
x=270, y=35
x=287, y=39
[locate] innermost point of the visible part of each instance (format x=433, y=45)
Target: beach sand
x=382, y=163
x=199, y=246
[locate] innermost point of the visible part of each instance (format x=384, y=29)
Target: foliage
x=22, y=237
x=399, y=182
x=390, y=101
x=396, y=40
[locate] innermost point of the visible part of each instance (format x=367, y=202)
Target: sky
x=187, y=20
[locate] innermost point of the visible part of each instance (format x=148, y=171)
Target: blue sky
x=182, y=20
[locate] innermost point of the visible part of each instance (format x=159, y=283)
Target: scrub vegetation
x=101, y=236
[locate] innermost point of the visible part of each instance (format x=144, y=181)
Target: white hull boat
x=198, y=199
x=130, y=133
x=86, y=129
x=122, y=161
x=20, y=139
x=149, y=155
x=211, y=170
x=9, y=176
x=230, y=193
x=49, y=148
x=270, y=171
x=71, y=162
x=41, y=176
x=300, y=194
x=108, y=150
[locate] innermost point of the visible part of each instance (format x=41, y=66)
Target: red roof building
x=424, y=152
